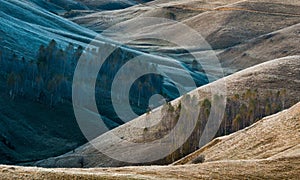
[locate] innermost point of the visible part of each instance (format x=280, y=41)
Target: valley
x=149, y=89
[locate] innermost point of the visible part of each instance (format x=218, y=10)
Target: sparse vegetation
x=45, y=79
x=242, y=110
x=199, y=159
x=242, y=33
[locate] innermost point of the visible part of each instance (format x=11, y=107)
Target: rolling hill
x=253, y=119
x=274, y=45
x=267, y=77
x=228, y=26
x=274, y=137
x=268, y=149
x=27, y=27
x=64, y=6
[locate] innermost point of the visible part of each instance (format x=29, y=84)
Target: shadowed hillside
x=265, y=78
x=269, y=149
x=39, y=52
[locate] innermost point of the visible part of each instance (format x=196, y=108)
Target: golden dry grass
x=267, y=150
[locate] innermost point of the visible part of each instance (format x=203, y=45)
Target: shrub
x=199, y=159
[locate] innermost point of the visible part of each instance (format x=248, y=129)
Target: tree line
x=48, y=77
x=242, y=110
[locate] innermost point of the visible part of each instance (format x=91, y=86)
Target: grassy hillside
x=267, y=150
x=256, y=41
x=274, y=137
x=32, y=131
x=277, y=44
x=39, y=51
x=267, y=78
x=239, y=30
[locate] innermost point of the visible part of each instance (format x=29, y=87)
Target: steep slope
x=274, y=137
x=267, y=150
x=268, y=77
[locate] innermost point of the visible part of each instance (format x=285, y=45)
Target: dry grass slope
x=273, y=137
x=269, y=76
x=267, y=150
x=241, y=30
